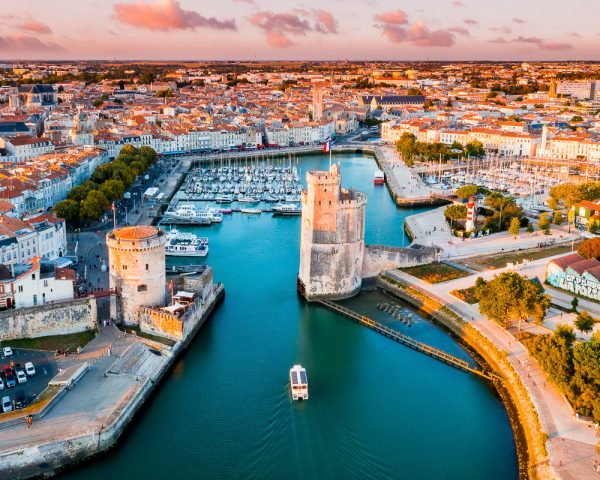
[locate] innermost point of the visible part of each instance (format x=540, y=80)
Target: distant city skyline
x=323, y=30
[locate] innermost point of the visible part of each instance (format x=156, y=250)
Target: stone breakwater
x=144, y=364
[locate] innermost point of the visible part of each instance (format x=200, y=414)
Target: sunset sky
x=310, y=29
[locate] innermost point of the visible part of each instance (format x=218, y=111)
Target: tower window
x=147, y=267
x=142, y=288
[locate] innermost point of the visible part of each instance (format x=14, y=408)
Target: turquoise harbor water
x=376, y=410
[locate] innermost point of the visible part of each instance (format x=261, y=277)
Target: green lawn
x=466, y=295
x=500, y=261
x=148, y=336
x=54, y=342
x=435, y=272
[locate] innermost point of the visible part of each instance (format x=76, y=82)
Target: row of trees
x=410, y=149
x=108, y=183
x=573, y=366
x=566, y=195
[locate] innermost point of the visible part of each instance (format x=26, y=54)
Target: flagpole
x=114, y=215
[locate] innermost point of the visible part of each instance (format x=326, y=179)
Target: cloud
x=35, y=27
x=458, y=3
x=505, y=30
x=460, y=31
x=539, y=42
x=470, y=21
x=394, y=26
x=280, y=27
x=519, y=21
x=167, y=15
x=25, y=43
x=395, y=17
x=575, y=34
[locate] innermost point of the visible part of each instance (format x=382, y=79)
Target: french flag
x=327, y=146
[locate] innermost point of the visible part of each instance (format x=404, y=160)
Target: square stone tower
x=332, y=242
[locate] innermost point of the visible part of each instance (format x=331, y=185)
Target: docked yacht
x=191, y=213
x=379, y=177
x=251, y=211
x=287, y=209
x=185, y=245
x=298, y=383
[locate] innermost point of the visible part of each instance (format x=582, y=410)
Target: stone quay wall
x=50, y=457
x=379, y=258
x=60, y=318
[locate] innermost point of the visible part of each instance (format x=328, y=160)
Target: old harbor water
x=376, y=410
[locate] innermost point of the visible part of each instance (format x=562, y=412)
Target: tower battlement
x=332, y=237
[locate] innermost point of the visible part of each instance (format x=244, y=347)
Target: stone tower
x=317, y=103
x=332, y=245
x=136, y=260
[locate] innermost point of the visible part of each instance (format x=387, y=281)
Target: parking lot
x=45, y=369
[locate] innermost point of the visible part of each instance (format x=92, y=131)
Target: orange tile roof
x=136, y=233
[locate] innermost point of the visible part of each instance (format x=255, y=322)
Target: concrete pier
x=91, y=417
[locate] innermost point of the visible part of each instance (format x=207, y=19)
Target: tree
x=407, y=146
x=506, y=207
x=511, y=297
x=146, y=78
x=568, y=194
x=544, y=223
x=577, y=118
x=80, y=192
x=113, y=189
x=558, y=217
x=585, y=322
x=590, y=248
x=474, y=149
x=515, y=227
x=456, y=212
x=530, y=227
x=574, y=304
x=67, y=209
x=467, y=191
x=93, y=205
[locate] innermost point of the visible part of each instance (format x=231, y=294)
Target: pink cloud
x=458, y=3
x=396, y=17
x=470, y=21
x=505, y=30
x=35, y=27
x=539, y=42
x=519, y=21
x=394, y=26
x=460, y=31
x=279, y=27
x=167, y=15
x=25, y=43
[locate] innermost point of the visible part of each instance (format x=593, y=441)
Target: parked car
x=21, y=377
x=10, y=380
x=7, y=352
x=6, y=405
x=29, y=369
x=20, y=401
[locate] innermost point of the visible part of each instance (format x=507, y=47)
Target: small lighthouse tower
x=470, y=225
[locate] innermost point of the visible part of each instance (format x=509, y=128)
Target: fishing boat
x=298, y=383
x=185, y=245
x=286, y=209
x=379, y=177
x=251, y=211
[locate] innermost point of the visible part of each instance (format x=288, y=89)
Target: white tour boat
x=191, y=213
x=185, y=245
x=298, y=383
x=251, y=211
x=379, y=177
x=287, y=209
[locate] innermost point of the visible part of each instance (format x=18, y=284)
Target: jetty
x=433, y=352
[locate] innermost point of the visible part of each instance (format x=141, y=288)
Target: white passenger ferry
x=298, y=383
x=185, y=245
x=191, y=213
x=287, y=209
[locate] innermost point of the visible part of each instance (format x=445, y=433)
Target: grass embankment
x=148, y=336
x=530, y=437
x=499, y=261
x=466, y=295
x=54, y=342
x=41, y=401
x=435, y=272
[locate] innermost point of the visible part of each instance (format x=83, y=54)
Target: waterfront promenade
x=431, y=228
x=571, y=441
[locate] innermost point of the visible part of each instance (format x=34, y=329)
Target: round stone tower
x=136, y=261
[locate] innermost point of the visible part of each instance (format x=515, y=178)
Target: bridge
x=433, y=352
